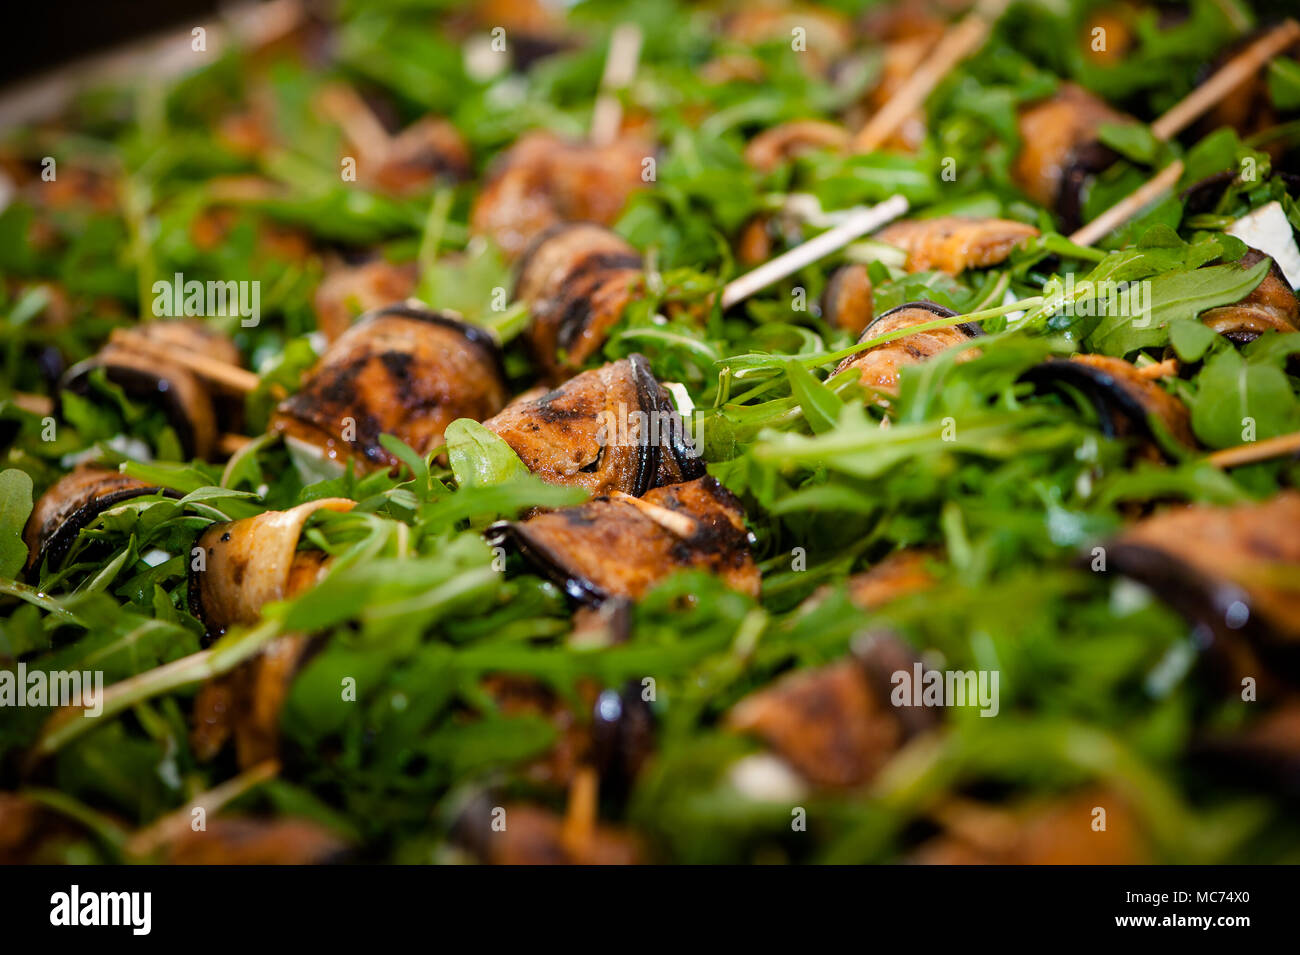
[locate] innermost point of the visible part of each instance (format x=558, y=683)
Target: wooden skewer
x=229, y=443
x=211, y=369
x=1231, y=75
x=1130, y=205
x=1256, y=451
x=620, y=68
x=175, y=824
x=961, y=40
x=670, y=520
x=855, y=226
x=33, y=404
x=580, y=813
x=344, y=105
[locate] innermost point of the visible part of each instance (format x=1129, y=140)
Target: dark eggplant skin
x=1265, y=753
x=403, y=370
x=1060, y=153
x=554, y=432
x=193, y=410
x=1199, y=561
x=1270, y=306
x=182, y=398
x=622, y=737
x=879, y=366
x=608, y=548
x=1124, y=403
x=73, y=503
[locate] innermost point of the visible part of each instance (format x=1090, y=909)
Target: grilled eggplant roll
x=879, y=367
x=835, y=724
x=401, y=370
x=778, y=145
x=1126, y=403
x=73, y=503
x=136, y=362
x=1227, y=570
x=428, y=149
x=847, y=301
x=348, y=291
x=247, y=564
x=254, y=561
x=1059, y=151
x=621, y=546
x=1041, y=832
x=954, y=244
x=610, y=429
x=247, y=841
x=543, y=181
x=1271, y=306
x=577, y=278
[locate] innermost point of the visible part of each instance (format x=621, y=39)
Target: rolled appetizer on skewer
x=878, y=367
x=620, y=546
x=401, y=370
x=73, y=503
x=145, y=362
x=613, y=428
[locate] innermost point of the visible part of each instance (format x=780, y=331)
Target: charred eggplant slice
x=834, y=724
x=348, y=291
x=144, y=375
x=847, y=301
x=878, y=367
x=610, y=429
x=252, y=841
x=1060, y=153
x=1053, y=831
x=1271, y=306
x=74, y=503
x=577, y=279
x=428, y=149
x=402, y=370
x=621, y=546
x=778, y=145
x=544, y=180
x=251, y=562
x=953, y=244
x=1126, y=403
x=1228, y=570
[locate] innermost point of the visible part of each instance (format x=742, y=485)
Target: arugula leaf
x=479, y=457
x=15, y=507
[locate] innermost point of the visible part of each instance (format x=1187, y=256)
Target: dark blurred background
x=38, y=35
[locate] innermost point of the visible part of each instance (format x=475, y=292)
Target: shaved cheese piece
x=1269, y=230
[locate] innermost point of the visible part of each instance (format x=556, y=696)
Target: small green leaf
x=15, y=507
x=479, y=457
x=1191, y=339
x=821, y=406
x=1284, y=83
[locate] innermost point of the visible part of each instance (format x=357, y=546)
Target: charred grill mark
x=610, y=548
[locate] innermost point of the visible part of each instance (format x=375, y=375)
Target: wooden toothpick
x=620, y=68
x=210, y=369
x=959, y=42
x=854, y=227
x=1231, y=75
x=1256, y=451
